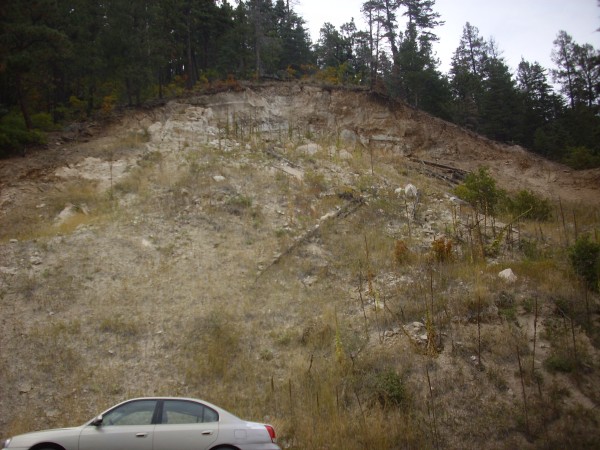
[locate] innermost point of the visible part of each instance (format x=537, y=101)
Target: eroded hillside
x=254, y=249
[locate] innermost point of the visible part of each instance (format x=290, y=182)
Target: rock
x=348, y=137
x=416, y=330
x=35, y=260
x=70, y=211
x=411, y=191
x=309, y=149
x=309, y=280
x=457, y=201
x=508, y=275
x=24, y=388
x=218, y=178
x=345, y=155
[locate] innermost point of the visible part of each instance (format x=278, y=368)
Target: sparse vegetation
x=307, y=298
x=585, y=259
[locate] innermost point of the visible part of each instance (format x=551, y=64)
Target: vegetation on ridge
x=70, y=60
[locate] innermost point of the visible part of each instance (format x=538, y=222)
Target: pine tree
x=31, y=41
x=417, y=79
x=466, y=77
x=578, y=71
x=540, y=105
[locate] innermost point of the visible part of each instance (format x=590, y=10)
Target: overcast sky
x=521, y=28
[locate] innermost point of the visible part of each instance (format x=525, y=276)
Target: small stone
x=508, y=275
x=35, y=260
x=309, y=149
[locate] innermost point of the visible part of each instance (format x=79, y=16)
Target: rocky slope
x=253, y=248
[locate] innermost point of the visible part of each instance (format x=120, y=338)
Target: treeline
x=65, y=60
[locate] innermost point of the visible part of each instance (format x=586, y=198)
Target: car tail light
x=271, y=431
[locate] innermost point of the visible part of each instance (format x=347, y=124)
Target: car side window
x=183, y=412
x=138, y=412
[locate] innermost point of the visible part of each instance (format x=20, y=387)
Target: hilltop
x=258, y=249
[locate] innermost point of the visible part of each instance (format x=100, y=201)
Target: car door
x=126, y=427
x=185, y=425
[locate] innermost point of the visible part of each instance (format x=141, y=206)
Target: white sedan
x=157, y=423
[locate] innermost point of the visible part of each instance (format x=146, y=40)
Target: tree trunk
x=160, y=85
x=189, y=83
x=23, y=103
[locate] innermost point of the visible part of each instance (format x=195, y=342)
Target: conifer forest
x=71, y=60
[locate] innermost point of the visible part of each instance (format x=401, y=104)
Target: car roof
x=221, y=411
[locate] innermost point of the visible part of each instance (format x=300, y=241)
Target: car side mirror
x=97, y=421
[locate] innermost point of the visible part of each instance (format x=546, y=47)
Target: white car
x=157, y=423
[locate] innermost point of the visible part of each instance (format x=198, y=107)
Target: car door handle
x=207, y=433
x=141, y=435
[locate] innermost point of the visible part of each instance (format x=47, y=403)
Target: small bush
x=441, y=249
x=559, y=363
x=390, y=388
x=531, y=249
x=315, y=181
x=238, y=204
x=585, y=260
x=529, y=206
x=15, y=137
x=582, y=158
x=43, y=121
x=479, y=189
x=401, y=252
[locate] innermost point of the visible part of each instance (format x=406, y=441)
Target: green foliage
x=315, y=181
x=74, y=60
x=479, y=189
x=560, y=363
x=43, y=121
x=238, y=204
x=390, y=389
x=585, y=260
x=528, y=205
x=581, y=158
x=15, y=137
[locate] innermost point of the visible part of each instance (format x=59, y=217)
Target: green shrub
x=238, y=204
x=560, y=363
x=581, y=158
x=585, y=260
x=315, y=181
x=43, y=121
x=14, y=135
x=479, y=189
x=390, y=388
x=529, y=206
